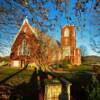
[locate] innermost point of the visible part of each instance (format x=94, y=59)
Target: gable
x=25, y=32
x=26, y=28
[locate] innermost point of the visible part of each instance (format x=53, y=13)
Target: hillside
x=6, y=58
x=91, y=59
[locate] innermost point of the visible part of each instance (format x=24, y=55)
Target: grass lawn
x=82, y=68
x=74, y=68
x=23, y=76
x=78, y=78
x=26, y=74
x=6, y=71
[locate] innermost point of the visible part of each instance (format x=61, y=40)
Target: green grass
x=82, y=68
x=23, y=76
x=5, y=72
x=73, y=68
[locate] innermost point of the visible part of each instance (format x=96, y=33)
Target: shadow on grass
x=34, y=90
x=14, y=74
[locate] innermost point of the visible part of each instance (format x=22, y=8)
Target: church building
x=27, y=43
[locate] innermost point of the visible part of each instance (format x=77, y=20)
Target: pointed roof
x=25, y=21
x=36, y=32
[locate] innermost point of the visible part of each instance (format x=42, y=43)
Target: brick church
x=26, y=44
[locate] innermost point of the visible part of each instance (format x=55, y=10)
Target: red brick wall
x=30, y=40
x=71, y=39
x=75, y=57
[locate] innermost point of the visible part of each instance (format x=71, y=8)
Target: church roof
x=38, y=34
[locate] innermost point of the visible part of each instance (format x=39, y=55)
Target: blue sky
x=85, y=24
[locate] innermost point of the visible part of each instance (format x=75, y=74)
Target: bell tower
x=68, y=41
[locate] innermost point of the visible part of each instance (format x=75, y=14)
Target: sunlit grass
x=73, y=68
x=5, y=72
x=23, y=76
x=82, y=68
x=26, y=74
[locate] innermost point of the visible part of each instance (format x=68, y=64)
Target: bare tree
x=48, y=51
x=84, y=51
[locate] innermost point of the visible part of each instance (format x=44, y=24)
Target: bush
x=66, y=64
x=86, y=84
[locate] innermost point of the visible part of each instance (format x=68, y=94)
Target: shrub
x=86, y=84
x=66, y=64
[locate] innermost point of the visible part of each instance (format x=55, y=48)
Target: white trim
x=69, y=90
x=25, y=20
x=68, y=25
x=14, y=39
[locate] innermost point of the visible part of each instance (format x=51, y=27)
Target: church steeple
x=25, y=21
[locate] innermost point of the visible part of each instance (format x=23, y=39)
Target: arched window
x=66, y=32
x=23, y=49
x=66, y=51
